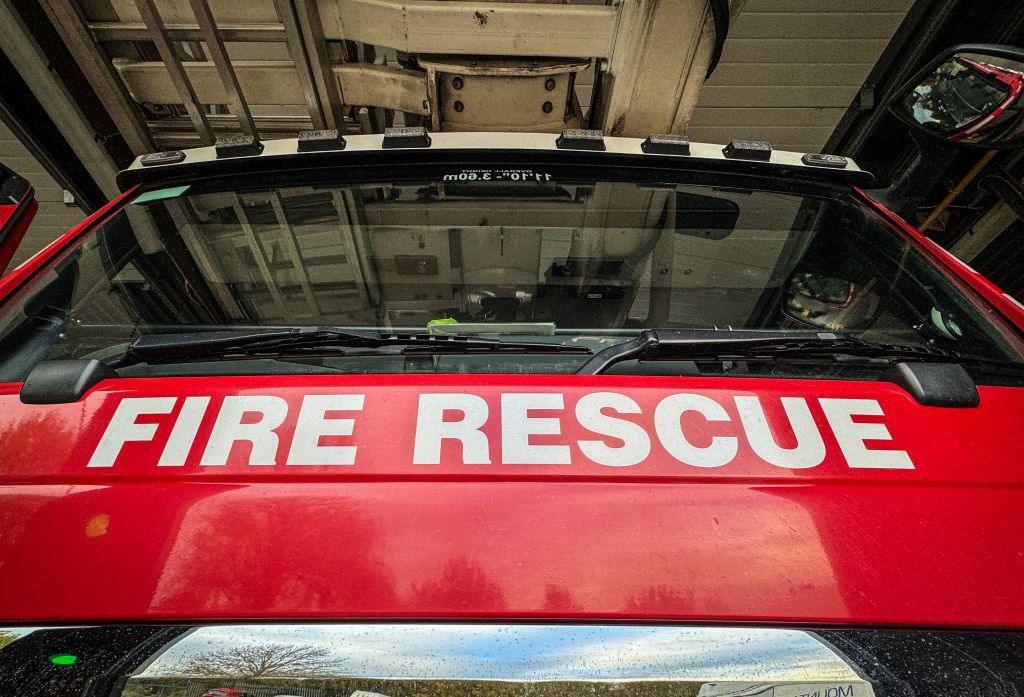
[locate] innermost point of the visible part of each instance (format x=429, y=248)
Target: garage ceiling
x=789, y=72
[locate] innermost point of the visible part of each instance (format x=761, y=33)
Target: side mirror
x=17, y=208
x=970, y=95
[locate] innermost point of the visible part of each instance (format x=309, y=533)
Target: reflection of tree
x=559, y=599
x=344, y=687
x=7, y=637
x=661, y=597
x=347, y=570
x=462, y=584
x=259, y=661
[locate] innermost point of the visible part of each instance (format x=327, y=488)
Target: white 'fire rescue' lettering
x=461, y=420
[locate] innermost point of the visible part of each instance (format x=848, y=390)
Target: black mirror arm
x=1006, y=189
x=909, y=189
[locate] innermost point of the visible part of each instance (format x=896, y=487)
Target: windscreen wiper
x=933, y=376
x=738, y=344
x=291, y=341
x=62, y=381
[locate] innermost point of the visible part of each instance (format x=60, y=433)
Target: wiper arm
x=241, y=345
x=749, y=345
x=933, y=377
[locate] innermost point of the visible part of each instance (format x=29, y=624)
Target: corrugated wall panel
x=791, y=68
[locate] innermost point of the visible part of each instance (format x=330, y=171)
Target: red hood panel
x=636, y=498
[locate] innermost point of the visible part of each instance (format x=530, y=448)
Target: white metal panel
x=791, y=68
x=486, y=28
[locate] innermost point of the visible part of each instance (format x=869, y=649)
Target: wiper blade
x=247, y=344
x=705, y=344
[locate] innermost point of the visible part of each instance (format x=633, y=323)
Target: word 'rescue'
x=608, y=429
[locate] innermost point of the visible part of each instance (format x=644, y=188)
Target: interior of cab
x=578, y=255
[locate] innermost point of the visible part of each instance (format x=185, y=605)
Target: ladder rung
x=136, y=31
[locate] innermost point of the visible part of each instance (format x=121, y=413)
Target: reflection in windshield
x=496, y=661
x=558, y=261
x=484, y=652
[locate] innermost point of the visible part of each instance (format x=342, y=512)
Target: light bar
x=748, y=150
x=406, y=137
x=168, y=157
x=580, y=139
x=666, y=144
x=316, y=141
x=822, y=160
x=237, y=146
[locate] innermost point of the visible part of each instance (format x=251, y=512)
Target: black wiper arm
x=697, y=344
x=197, y=346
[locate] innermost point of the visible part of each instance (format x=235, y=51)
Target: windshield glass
x=525, y=255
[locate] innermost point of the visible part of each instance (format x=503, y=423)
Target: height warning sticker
x=497, y=175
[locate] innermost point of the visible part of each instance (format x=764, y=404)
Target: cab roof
x=246, y=155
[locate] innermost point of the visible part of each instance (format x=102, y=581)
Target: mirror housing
x=970, y=95
x=17, y=208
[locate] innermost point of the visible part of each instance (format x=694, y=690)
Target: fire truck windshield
x=516, y=254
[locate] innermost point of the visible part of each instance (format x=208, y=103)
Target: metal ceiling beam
x=316, y=49
x=272, y=83
x=179, y=133
x=381, y=86
x=650, y=46
x=137, y=31
x=660, y=53
x=174, y=69
x=219, y=55
x=265, y=82
x=97, y=68
x=297, y=50
x=67, y=123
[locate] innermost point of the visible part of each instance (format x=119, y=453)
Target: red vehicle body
x=131, y=505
